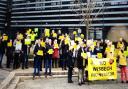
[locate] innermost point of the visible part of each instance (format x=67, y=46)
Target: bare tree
x=86, y=9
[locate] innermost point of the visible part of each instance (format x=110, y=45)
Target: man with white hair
x=38, y=54
x=48, y=58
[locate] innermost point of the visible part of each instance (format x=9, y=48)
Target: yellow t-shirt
x=122, y=59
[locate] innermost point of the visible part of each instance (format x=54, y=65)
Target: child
x=123, y=64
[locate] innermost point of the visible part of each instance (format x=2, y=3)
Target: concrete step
x=14, y=83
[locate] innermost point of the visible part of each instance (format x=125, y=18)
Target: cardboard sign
x=27, y=41
x=9, y=44
x=50, y=51
x=99, y=55
x=36, y=30
x=84, y=55
x=40, y=53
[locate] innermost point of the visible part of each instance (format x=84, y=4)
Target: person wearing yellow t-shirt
x=26, y=50
x=120, y=44
x=38, y=54
x=123, y=67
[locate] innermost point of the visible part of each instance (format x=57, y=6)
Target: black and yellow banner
x=102, y=69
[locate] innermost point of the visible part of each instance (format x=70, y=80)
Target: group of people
x=67, y=51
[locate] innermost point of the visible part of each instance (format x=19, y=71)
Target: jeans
x=37, y=63
x=64, y=61
x=81, y=75
x=70, y=69
x=25, y=60
x=48, y=64
x=1, y=58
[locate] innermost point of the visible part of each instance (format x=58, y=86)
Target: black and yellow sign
x=102, y=69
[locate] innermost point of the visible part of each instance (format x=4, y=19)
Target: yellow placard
x=74, y=32
x=76, y=38
x=5, y=38
x=27, y=41
x=66, y=41
x=99, y=55
x=40, y=53
x=94, y=43
x=9, y=44
x=126, y=53
x=54, y=35
x=36, y=30
x=20, y=36
x=84, y=55
x=50, y=51
x=56, y=46
x=30, y=30
x=33, y=36
x=75, y=46
x=82, y=36
x=108, y=49
x=18, y=42
x=61, y=37
x=102, y=69
x=47, y=32
x=43, y=44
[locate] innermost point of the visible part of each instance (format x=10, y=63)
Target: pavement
x=57, y=83
x=61, y=83
x=3, y=74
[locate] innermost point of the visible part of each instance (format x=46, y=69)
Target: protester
x=48, y=58
x=70, y=64
x=68, y=51
x=38, y=53
x=81, y=64
x=9, y=53
x=123, y=66
x=17, y=53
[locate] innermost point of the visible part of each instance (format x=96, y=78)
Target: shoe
x=26, y=67
x=1, y=66
x=70, y=81
x=83, y=83
x=122, y=81
x=79, y=84
x=50, y=74
x=65, y=68
x=40, y=69
x=33, y=77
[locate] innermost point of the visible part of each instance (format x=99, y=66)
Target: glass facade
x=3, y=9
x=67, y=13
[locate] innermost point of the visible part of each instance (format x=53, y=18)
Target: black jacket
x=80, y=60
x=37, y=47
x=70, y=61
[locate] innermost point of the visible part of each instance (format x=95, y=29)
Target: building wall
x=3, y=8
x=65, y=14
